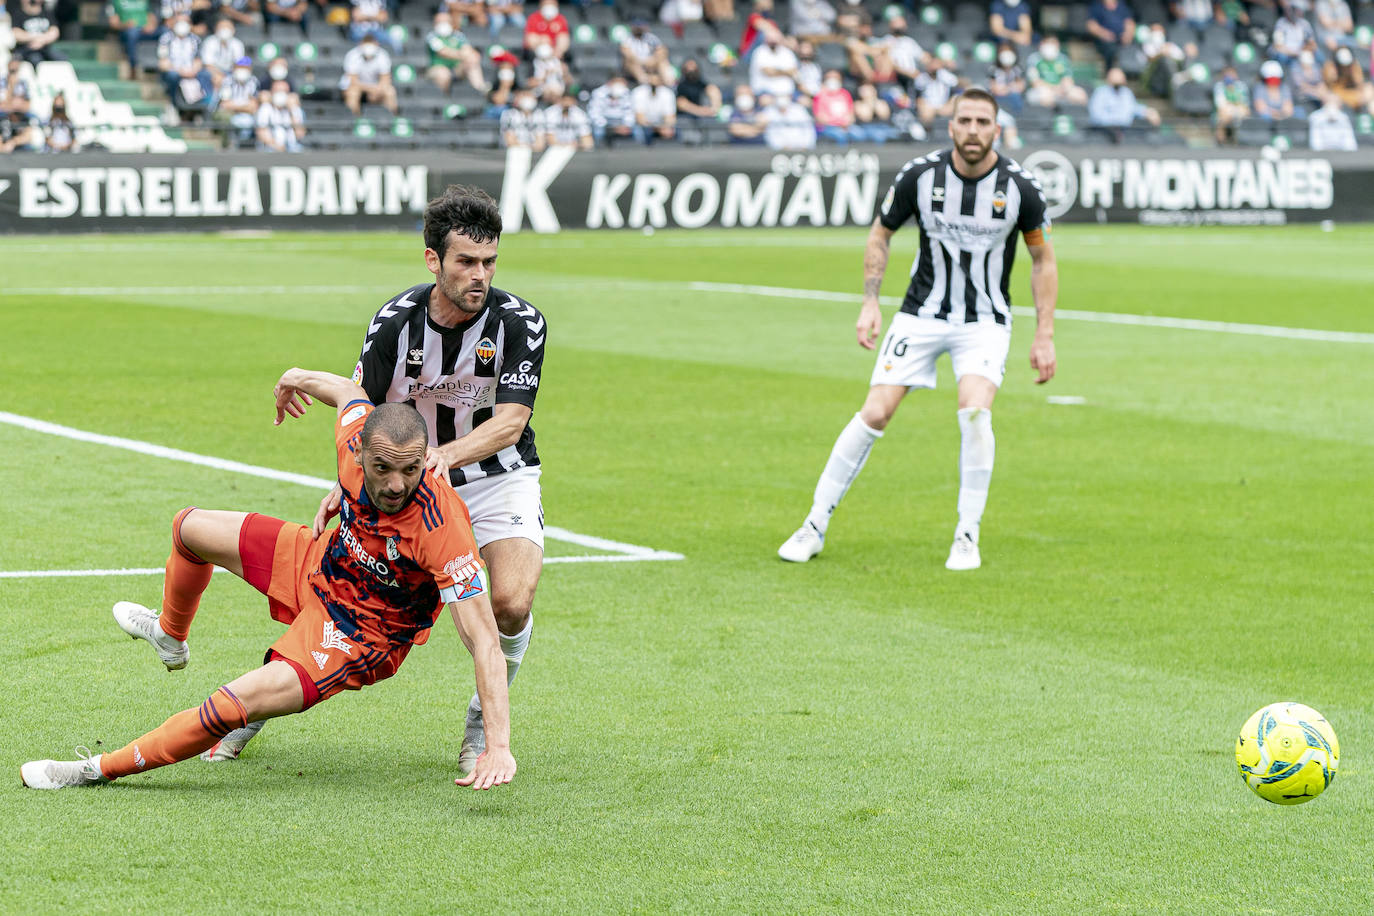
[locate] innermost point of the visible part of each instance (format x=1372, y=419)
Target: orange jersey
x=387, y=577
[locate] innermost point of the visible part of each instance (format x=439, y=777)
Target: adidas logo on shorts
x=320, y=659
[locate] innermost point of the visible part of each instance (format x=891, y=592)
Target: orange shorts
x=329, y=655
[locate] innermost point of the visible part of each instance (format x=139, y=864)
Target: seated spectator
x=758, y=28
x=1163, y=61
x=808, y=71
x=612, y=111
x=220, y=50
x=450, y=55
x=1197, y=13
x=813, y=20
x=522, y=124
x=1233, y=13
x=60, y=135
x=184, y=76
x=1230, y=103
x=833, y=109
x=281, y=123
x=936, y=88
x=369, y=17
x=1335, y=25
x=1292, y=34
x=905, y=55
x=697, y=100
x=241, y=12
x=787, y=125
x=133, y=22
x=1309, y=89
x=502, y=90
x=567, y=125
x=1050, y=79
x=367, y=77
x=642, y=53
x=1329, y=127
x=655, y=111
x=1010, y=136
x=1007, y=80
x=289, y=12
x=549, y=75
x=238, y=99
x=718, y=10
x=15, y=93
x=1112, y=26
x=746, y=123
x=773, y=68
x=16, y=132
x=279, y=71
x=677, y=13
x=868, y=56
x=1345, y=79
x=35, y=33
x=548, y=27
x=7, y=35
x=872, y=116
x=1113, y=107
x=501, y=13
x=467, y=12
x=1010, y=21
x=1273, y=100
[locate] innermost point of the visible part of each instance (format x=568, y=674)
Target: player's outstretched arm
x=297, y=387
x=477, y=628
x=870, y=323
x=1045, y=292
x=503, y=430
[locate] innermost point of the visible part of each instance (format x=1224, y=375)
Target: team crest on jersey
x=937, y=194
x=416, y=356
x=392, y=551
x=486, y=349
x=999, y=202
x=358, y=373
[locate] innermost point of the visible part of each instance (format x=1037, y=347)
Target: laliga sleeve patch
x=358, y=373
x=353, y=415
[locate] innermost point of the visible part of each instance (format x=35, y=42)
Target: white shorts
x=505, y=506
x=907, y=356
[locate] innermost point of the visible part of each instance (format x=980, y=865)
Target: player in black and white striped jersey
x=970, y=204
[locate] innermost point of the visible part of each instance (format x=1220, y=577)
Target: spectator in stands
x=238, y=98
x=833, y=110
x=197, y=11
x=281, y=123
x=642, y=53
x=450, y=55
x=853, y=21
x=1309, y=89
x=655, y=108
x=718, y=10
x=1233, y=14
x=905, y=55
x=1007, y=80
x=184, y=76
x=873, y=115
x=290, y=12
x=549, y=75
x=813, y=20
x=787, y=125
x=1230, y=103
x=60, y=135
x=367, y=76
x=1292, y=33
x=1010, y=21
x=1273, y=100
x=1113, y=108
x=567, y=125
x=522, y=124
x=501, y=91
x=697, y=100
x=133, y=22
x=868, y=56
x=16, y=132
x=746, y=123
x=548, y=27
x=1334, y=24
x=36, y=34
x=467, y=12
x=612, y=111
x=1050, y=79
x=677, y=13
x=758, y=27
x=14, y=89
x=1112, y=26
x=1163, y=60
x=809, y=74
x=220, y=51
x=1197, y=13
x=1346, y=81
x=936, y=87
x=278, y=71
x=241, y=12
x=1329, y=127
x=501, y=13
x=6, y=37
x=1010, y=136
x=773, y=67
x=369, y=17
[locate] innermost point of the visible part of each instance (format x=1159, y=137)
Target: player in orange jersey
x=355, y=602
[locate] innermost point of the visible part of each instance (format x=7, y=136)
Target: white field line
x=158, y=571
x=1153, y=321
x=623, y=553
x=268, y=290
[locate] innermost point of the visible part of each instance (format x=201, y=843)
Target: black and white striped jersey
x=969, y=228
x=456, y=376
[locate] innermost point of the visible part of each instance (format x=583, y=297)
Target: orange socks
x=181, y=737
x=186, y=579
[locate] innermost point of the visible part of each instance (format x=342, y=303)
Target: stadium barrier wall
x=651, y=188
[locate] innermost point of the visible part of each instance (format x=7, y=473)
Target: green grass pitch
x=865, y=733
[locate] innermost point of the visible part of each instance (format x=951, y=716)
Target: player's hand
x=1042, y=358
x=329, y=507
x=435, y=458
x=290, y=400
x=493, y=768
x=870, y=324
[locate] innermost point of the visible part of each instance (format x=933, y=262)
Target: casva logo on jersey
x=486, y=349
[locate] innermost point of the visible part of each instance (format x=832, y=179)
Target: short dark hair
x=465, y=210
x=977, y=94
x=397, y=422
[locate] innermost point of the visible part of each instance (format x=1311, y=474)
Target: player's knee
x=511, y=609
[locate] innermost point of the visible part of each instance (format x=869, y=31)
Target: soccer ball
x=1287, y=753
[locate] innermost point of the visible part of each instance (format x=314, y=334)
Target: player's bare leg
x=514, y=565
x=846, y=460
x=977, y=449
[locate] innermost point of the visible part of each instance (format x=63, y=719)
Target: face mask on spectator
x=225, y=33
x=369, y=50
x=744, y=102
x=617, y=90
x=505, y=75
x=1344, y=57
x=527, y=104
x=548, y=11
x=1306, y=59
x=1049, y=51
x=279, y=99
x=278, y=71
x=181, y=29
x=832, y=83
x=241, y=74
x=1006, y=58
x=443, y=29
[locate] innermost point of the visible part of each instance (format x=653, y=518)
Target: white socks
x=513, y=648
x=976, y=450
x=846, y=460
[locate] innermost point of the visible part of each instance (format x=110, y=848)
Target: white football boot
x=141, y=623
x=804, y=544
x=231, y=745
x=63, y=774
x=963, y=553
x=474, y=739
